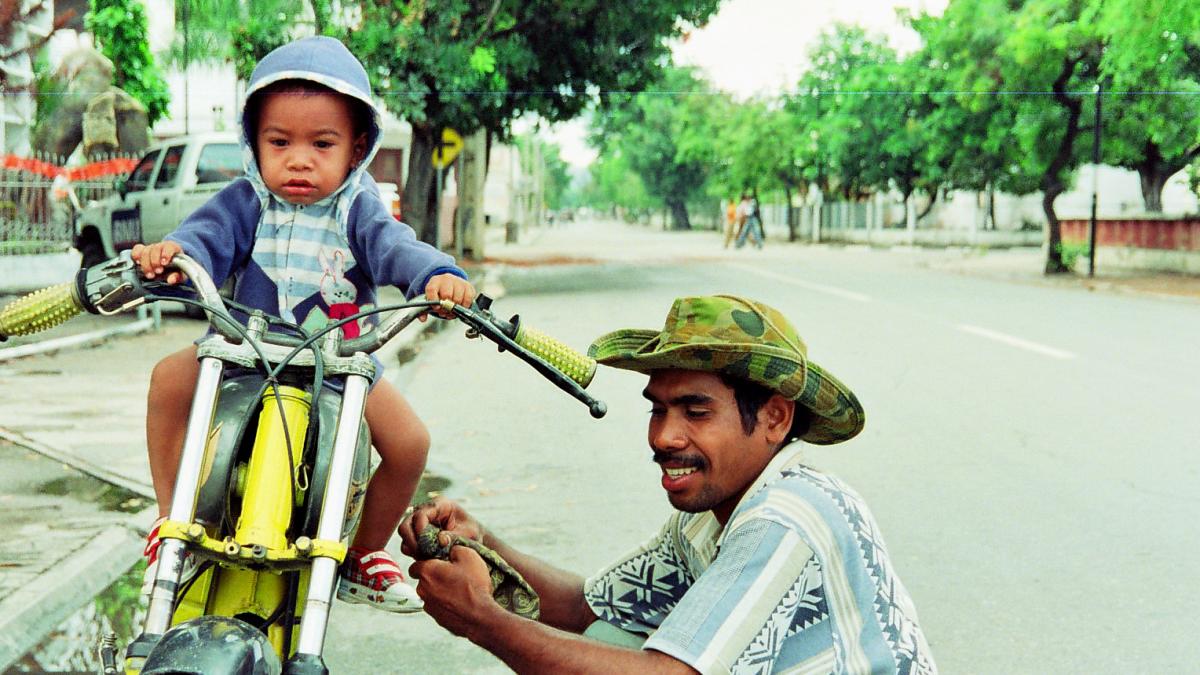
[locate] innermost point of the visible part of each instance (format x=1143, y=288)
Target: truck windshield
x=168, y=173
x=219, y=163
x=139, y=178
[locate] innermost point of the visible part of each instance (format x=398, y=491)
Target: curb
x=80, y=340
x=29, y=614
x=78, y=463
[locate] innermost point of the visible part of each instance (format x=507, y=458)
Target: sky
x=759, y=47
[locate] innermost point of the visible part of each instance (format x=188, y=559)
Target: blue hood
x=327, y=62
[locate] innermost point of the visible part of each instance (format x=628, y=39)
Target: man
x=766, y=566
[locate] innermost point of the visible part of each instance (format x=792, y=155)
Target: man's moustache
x=681, y=461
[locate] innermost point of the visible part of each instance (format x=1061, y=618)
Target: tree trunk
x=1054, y=259
x=1152, y=187
x=932, y=200
x=421, y=185
x=1052, y=182
x=791, y=225
x=679, y=215
x=991, y=195
x=1154, y=171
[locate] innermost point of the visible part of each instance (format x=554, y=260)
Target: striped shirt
x=798, y=582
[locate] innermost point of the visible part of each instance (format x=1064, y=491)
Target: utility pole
x=1095, y=182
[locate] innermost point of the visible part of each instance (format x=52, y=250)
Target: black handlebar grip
x=569, y=362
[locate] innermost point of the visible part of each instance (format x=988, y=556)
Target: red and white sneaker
x=190, y=565
x=373, y=578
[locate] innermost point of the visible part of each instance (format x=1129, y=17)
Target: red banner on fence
x=107, y=167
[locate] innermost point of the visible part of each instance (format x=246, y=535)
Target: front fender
x=213, y=644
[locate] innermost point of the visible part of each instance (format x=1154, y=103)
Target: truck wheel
x=92, y=250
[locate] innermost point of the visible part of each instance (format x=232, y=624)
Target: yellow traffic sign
x=451, y=145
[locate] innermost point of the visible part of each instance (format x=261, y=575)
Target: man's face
x=306, y=144
x=696, y=434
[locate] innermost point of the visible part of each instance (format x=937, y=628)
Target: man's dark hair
x=750, y=398
x=360, y=112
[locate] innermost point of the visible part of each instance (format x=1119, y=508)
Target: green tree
x=238, y=31
x=120, y=30
x=1152, y=98
x=1143, y=33
x=647, y=129
x=1038, y=60
x=828, y=95
x=752, y=147
x=968, y=123
x=613, y=185
x=472, y=64
x=1054, y=48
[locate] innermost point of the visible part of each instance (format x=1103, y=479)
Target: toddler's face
x=306, y=144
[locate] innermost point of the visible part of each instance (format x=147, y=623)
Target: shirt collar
x=705, y=533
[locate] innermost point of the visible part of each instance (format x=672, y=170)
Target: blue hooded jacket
x=316, y=263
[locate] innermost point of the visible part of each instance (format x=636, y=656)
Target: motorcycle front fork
x=324, y=575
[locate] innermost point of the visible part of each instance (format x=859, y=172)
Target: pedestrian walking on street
x=752, y=222
x=730, y=209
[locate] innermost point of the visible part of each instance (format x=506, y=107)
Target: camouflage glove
x=509, y=588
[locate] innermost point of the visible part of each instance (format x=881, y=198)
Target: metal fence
x=40, y=198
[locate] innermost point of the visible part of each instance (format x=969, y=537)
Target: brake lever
x=481, y=321
x=111, y=287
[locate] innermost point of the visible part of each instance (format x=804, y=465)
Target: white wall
x=1118, y=194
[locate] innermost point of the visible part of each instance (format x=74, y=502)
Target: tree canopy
x=481, y=64
x=999, y=96
x=120, y=30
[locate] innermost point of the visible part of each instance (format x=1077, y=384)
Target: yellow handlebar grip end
x=569, y=362
x=39, y=311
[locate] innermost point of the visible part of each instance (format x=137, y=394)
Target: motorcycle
x=274, y=466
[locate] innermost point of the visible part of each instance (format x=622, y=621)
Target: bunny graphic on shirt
x=339, y=295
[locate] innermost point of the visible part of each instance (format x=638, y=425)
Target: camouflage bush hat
x=734, y=336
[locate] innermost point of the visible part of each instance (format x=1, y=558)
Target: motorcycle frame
x=264, y=492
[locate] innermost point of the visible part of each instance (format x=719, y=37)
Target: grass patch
x=108, y=497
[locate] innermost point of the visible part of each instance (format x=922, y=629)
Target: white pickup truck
x=171, y=180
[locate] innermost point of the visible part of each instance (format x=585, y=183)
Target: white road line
x=1017, y=342
x=820, y=288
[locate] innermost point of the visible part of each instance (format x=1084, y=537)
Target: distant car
x=172, y=179
x=390, y=194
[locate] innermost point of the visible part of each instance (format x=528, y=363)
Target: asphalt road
x=1028, y=452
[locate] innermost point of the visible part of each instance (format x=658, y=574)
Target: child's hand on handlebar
x=443, y=513
x=449, y=287
x=155, y=258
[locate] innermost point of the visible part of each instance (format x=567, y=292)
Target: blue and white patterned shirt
x=798, y=582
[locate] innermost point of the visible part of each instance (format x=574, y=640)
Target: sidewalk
x=610, y=241
x=1025, y=265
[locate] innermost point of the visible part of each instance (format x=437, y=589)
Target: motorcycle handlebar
x=116, y=285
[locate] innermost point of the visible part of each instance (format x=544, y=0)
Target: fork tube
x=333, y=518
x=183, y=504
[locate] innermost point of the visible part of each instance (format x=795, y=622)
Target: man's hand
x=153, y=259
x=458, y=592
x=449, y=287
x=445, y=514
